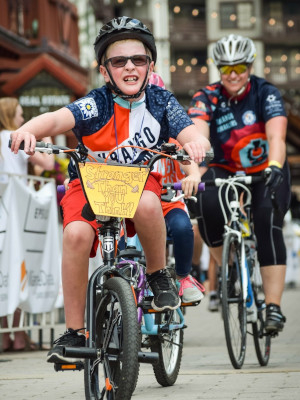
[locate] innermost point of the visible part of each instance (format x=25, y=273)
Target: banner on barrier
x=30, y=254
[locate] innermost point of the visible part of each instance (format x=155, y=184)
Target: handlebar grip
x=178, y=186
x=209, y=156
x=61, y=189
x=21, y=145
x=37, y=144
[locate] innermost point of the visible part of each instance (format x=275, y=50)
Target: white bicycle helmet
x=234, y=49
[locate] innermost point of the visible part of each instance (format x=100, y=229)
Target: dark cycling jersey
x=103, y=123
x=237, y=127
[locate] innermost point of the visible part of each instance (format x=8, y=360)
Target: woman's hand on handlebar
x=18, y=137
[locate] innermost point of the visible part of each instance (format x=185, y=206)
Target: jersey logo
x=249, y=118
x=250, y=152
x=271, y=97
x=87, y=107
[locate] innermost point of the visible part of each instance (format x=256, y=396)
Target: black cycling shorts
x=268, y=222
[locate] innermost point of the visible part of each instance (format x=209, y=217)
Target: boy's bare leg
x=77, y=243
x=151, y=229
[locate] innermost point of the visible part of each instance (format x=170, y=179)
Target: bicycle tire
x=233, y=305
x=262, y=340
x=169, y=348
x=118, y=338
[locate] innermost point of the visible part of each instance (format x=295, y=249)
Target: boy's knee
x=77, y=238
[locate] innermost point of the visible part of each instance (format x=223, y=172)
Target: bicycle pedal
x=78, y=366
x=194, y=304
x=147, y=306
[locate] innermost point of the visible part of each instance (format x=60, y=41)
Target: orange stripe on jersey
x=105, y=138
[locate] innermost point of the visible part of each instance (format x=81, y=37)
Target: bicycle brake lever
x=168, y=196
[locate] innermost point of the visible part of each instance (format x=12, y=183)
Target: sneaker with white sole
x=190, y=290
x=71, y=338
x=214, y=302
x=252, y=313
x=165, y=295
x=275, y=319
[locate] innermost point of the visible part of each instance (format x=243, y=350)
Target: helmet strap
x=112, y=86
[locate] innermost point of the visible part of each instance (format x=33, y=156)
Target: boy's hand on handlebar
x=195, y=150
x=190, y=185
x=29, y=142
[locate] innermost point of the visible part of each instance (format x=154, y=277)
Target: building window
x=282, y=65
x=236, y=15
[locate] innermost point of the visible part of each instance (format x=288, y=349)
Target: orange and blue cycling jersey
x=104, y=122
x=237, y=126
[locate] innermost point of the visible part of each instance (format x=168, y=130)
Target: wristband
x=275, y=163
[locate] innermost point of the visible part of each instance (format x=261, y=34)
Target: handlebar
x=178, y=186
x=80, y=153
x=169, y=196
x=238, y=179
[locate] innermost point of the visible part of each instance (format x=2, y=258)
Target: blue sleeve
x=271, y=102
x=89, y=113
x=176, y=118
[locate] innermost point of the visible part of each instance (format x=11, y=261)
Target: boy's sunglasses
x=238, y=69
x=121, y=61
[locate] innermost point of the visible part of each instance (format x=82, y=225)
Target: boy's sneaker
x=164, y=291
x=71, y=338
x=214, y=302
x=274, y=319
x=190, y=290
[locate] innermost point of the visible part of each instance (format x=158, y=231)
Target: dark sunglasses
x=121, y=61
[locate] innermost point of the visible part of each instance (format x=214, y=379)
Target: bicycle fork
x=248, y=295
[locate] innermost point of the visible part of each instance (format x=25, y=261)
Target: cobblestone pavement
x=206, y=372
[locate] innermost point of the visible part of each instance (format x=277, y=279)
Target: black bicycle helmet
x=123, y=28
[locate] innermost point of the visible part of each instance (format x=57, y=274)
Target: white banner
x=30, y=254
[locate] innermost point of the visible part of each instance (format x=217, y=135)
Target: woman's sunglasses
x=120, y=61
x=238, y=69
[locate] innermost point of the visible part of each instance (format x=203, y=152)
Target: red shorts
x=74, y=200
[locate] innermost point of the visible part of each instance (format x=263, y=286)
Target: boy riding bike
x=126, y=111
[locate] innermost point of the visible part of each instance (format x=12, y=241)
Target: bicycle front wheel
x=114, y=374
x=233, y=305
x=169, y=348
x=262, y=340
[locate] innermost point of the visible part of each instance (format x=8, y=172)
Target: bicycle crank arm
x=80, y=352
x=148, y=357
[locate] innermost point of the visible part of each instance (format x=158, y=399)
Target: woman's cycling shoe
x=71, y=338
x=274, y=319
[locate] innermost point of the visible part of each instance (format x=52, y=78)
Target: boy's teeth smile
x=131, y=79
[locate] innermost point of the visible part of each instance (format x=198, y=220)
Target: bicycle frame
x=234, y=225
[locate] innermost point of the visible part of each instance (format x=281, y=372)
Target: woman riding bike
x=244, y=117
